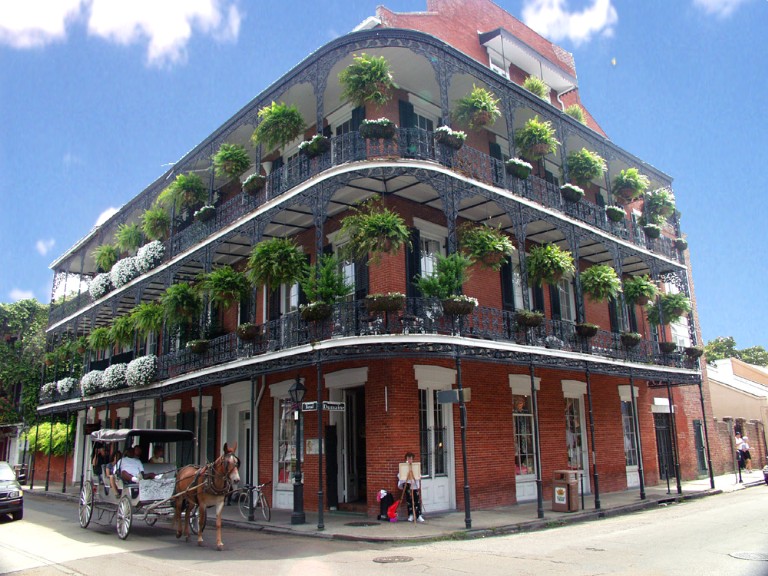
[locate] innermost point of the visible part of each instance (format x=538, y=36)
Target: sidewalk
x=445, y=525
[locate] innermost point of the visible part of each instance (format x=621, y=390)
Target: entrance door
x=353, y=445
x=664, y=446
x=525, y=455
x=436, y=450
x=576, y=440
x=701, y=455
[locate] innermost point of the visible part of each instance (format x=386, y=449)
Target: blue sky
x=98, y=97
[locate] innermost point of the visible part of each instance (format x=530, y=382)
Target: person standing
x=412, y=494
x=746, y=457
x=98, y=462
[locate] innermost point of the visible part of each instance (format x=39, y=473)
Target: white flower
x=92, y=382
x=459, y=134
x=66, y=385
x=124, y=271
x=464, y=298
x=47, y=391
x=204, y=210
x=114, y=377
x=520, y=162
x=149, y=256
x=379, y=122
x=100, y=285
x=141, y=371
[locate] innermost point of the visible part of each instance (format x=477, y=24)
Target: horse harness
x=209, y=477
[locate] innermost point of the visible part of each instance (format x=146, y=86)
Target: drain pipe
x=254, y=427
x=563, y=93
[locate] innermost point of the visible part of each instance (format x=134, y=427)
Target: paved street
x=703, y=536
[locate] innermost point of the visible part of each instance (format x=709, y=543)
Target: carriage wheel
x=86, y=505
x=194, y=520
x=124, y=517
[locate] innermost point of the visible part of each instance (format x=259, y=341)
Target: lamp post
x=297, y=392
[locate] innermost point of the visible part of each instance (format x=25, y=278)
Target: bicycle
x=258, y=500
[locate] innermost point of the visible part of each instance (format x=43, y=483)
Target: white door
x=525, y=455
x=576, y=440
x=630, y=446
x=436, y=452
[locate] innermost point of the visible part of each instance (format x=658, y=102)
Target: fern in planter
x=660, y=203
x=548, y=263
x=231, y=160
x=639, y=290
x=148, y=317
x=629, y=185
x=373, y=229
x=156, y=224
x=600, y=282
x=105, y=256
x=122, y=330
x=630, y=339
x=100, y=339
x=681, y=244
x=367, y=80
x=182, y=305
x=450, y=274
x=584, y=166
x=529, y=318
x=477, y=109
x=489, y=246
x=536, y=139
x=673, y=306
x=326, y=281
x=225, y=285
x=537, y=87
x=274, y=262
x=279, y=124
x=128, y=238
x=586, y=329
x=577, y=113
x=187, y=191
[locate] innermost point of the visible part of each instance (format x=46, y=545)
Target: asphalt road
x=724, y=535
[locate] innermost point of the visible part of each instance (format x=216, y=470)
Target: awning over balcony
x=513, y=51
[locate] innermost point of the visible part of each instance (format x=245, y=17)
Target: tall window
x=525, y=456
x=432, y=434
x=567, y=304
x=630, y=448
x=573, y=436
x=286, y=444
x=430, y=248
x=423, y=122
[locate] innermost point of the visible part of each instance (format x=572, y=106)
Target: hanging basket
x=571, y=193
x=528, y=318
x=316, y=311
x=254, y=183
x=586, y=330
x=449, y=140
x=652, y=230
x=667, y=347
x=626, y=194
x=198, y=346
x=630, y=339
x=384, y=303
x=694, y=351
x=615, y=213
x=454, y=307
x=376, y=131
x=248, y=332
x=642, y=300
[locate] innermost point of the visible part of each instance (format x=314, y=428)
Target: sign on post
x=327, y=405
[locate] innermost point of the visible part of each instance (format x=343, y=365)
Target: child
x=412, y=492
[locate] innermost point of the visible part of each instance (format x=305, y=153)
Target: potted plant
x=156, y=223
x=529, y=318
x=205, y=213
x=629, y=185
x=105, y=256
x=639, y=290
x=279, y=124
x=141, y=371
x=577, y=113
x=182, y=305
x=230, y=161
x=660, y=203
x=389, y=302
x=571, y=192
x=584, y=166
x=372, y=229
x=667, y=347
x=600, y=282
x=518, y=167
x=128, y=238
x=249, y=332
x=367, y=80
x=186, y=191
x=536, y=139
x=694, y=351
x=323, y=285
x=673, y=306
x=315, y=146
x=274, y=262
x=537, y=87
x=490, y=246
x=478, y=109
x=376, y=129
x=80, y=345
x=122, y=331
x=149, y=256
x=198, y=346
x=681, y=244
x=630, y=339
x=225, y=285
x=586, y=330
x=453, y=139
x=254, y=183
x=50, y=358
x=548, y=263
x=615, y=213
x=100, y=339
x=148, y=317
x=450, y=274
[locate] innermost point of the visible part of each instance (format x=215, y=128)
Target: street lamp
x=297, y=392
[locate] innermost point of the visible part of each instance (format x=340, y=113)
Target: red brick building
x=543, y=398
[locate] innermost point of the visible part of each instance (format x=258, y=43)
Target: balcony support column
x=573, y=244
x=520, y=234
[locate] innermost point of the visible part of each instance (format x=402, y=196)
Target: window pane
x=573, y=436
x=439, y=452
x=630, y=450
x=525, y=456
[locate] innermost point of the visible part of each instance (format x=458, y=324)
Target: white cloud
x=553, y=20
x=166, y=26
x=44, y=246
x=35, y=23
x=17, y=294
x=106, y=215
x=722, y=8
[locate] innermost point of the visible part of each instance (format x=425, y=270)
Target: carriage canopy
x=143, y=435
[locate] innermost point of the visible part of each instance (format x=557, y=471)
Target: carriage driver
x=131, y=467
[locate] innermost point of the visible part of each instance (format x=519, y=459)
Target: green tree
x=23, y=324
x=725, y=347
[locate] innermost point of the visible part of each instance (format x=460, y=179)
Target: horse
x=204, y=486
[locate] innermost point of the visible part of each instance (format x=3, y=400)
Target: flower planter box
x=384, y=303
x=529, y=319
x=254, y=183
x=316, y=147
x=694, y=351
x=615, y=213
x=586, y=330
x=457, y=307
x=376, y=131
x=571, y=193
x=198, y=346
x=521, y=172
x=205, y=215
x=449, y=140
x=667, y=347
x=681, y=244
x=248, y=332
x=630, y=340
x=316, y=311
x=652, y=231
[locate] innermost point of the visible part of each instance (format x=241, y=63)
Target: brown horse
x=204, y=486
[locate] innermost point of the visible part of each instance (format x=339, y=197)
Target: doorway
x=664, y=445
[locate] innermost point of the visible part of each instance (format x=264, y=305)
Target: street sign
x=308, y=406
x=327, y=405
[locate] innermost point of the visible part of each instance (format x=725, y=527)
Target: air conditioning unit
x=499, y=70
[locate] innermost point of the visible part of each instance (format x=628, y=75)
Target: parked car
x=11, y=494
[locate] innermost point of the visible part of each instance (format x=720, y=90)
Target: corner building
x=542, y=399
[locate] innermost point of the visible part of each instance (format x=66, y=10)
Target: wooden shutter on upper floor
x=507, y=286
x=554, y=300
x=413, y=264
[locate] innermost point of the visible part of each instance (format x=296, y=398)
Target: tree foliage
x=725, y=347
x=39, y=438
x=24, y=323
